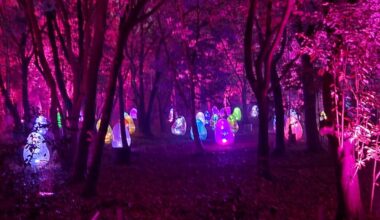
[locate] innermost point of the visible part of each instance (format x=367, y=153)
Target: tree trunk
x=279, y=112
x=10, y=106
x=126, y=150
x=309, y=94
x=50, y=16
x=263, y=147
x=126, y=26
x=244, y=102
x=24, y=82
x=91, y=78
x=349, y=205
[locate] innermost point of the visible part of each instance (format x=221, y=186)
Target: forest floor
x=166, y=180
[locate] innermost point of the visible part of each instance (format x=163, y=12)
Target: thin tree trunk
x=24, y=79
x=91, y=78
x=50, y=16
x=279, y=112
x=126, y=150
x=126, y=26
x=349, y=204
x=10, y=106
x=263, y=147
x=311, y=126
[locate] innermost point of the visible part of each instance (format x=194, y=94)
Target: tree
x=133, y=14
x=342, y=50
x=259, y=77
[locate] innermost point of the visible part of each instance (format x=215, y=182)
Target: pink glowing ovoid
x=133, y=113
x=223, y=132
x=295, y=126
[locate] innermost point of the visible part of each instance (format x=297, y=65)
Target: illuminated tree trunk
x=349, y=204
x=41, y=61
x=308, y=85
x=50, y=16
x=91, y=77
x=127, y=22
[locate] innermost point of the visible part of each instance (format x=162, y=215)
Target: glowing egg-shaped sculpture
x=179, y=126
x=254, y=111
x=130, y=123
x=207, y=117
x=322, y=116
x=237, y=113
x=223, y=132
x=201, y=116
x=295, y=126
x=171, y=115
x=293, y=113
x=201, y=130
x=41, y=125
x=133, y=113
x=215, y=110
x=36, y=153
x=213, y=120
x=117, y=141
x=109, y=135
x=233, y=123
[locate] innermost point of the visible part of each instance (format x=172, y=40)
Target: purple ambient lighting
x=223, y=132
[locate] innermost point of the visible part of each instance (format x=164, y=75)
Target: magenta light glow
x=223, y=132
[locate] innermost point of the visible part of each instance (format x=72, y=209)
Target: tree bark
x=260, y=79
x=263, y=147
x=91, y=78
x=50, y=16
x=41, y=60
x=309, y=94
x=349, y=205
x=279, y=112
x=25, y=60
x=10, y=106
x=126, y=26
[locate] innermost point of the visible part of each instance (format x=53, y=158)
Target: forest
x=189, y=109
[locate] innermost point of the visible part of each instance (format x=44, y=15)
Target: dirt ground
x=166, y=180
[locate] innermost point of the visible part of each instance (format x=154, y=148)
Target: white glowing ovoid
x=117, y=141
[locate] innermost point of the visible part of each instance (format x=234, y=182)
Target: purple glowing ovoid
x=223, y=132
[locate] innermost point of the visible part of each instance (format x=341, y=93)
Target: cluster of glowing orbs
x=179, y=126
x=223, y=132
x=201, y=116
x=36, y=153
x=237, y=113
x=233, y=123
x=130, y=124
x=109, y=134
x=117, y=140
x=133, y=113
x=202, y=131
x=213, y=120
x=295, y=126
x=254, y=111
